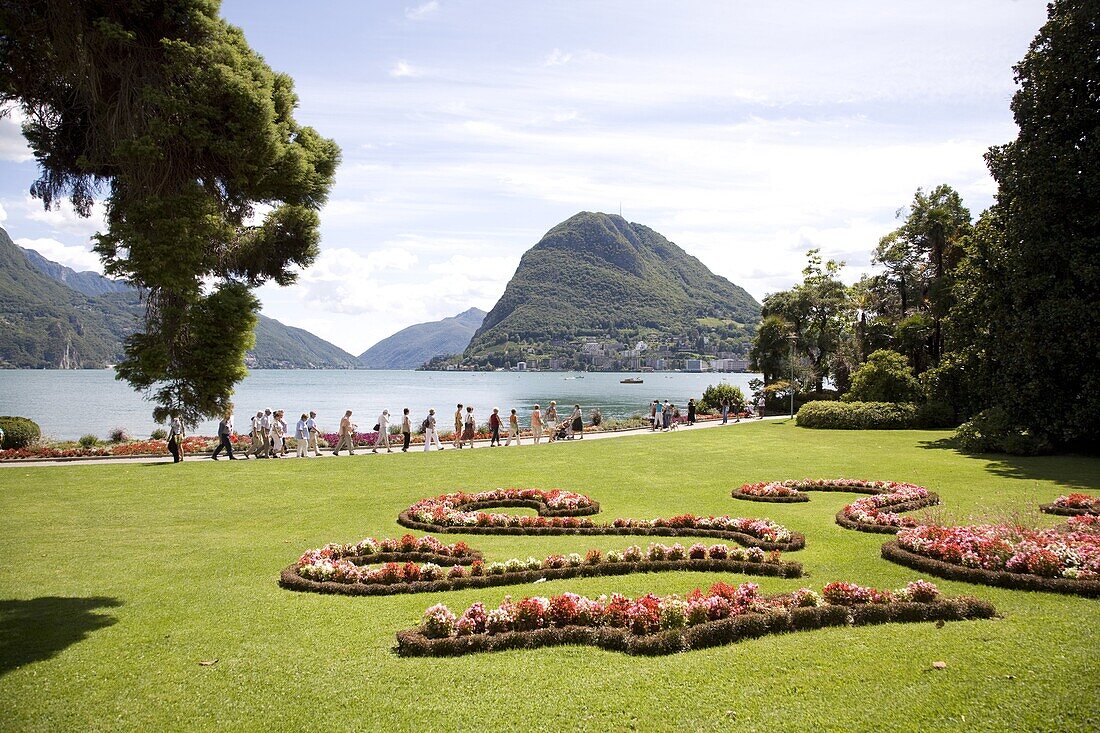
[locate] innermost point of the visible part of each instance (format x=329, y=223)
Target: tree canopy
x=163, y=108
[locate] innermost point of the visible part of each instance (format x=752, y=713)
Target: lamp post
x=790, y=358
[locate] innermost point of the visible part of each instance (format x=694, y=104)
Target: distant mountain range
x=411, y=347
x=597, y=276
x=54, y=317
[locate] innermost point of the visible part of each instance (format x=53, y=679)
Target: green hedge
x=19, y=432
x=858, y=415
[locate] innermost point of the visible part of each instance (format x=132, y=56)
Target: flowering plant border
x=334, y=569
x=650, y=625
x=566, y=513
x=1073, y=505
x=864, y=515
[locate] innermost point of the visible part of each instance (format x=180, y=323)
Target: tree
x=770, y=347
x=1031, y=282
x=884, y=377
x=165, y=106
x=716, y=394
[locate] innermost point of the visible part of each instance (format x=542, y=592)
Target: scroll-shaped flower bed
x=420, y=565
x=565, y=512
x=880, y=512
x=1073, y=505
x=663, y=625
x=1064, y=559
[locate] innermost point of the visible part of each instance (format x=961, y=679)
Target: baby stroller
x=561, y=432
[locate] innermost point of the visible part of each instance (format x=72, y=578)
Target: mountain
x=54, y=317
x=597, y=276
x=88, y=282
x=413, y=346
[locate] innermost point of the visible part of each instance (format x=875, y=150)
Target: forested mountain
x=54, y=317
x=411, y=347
x=599, y=276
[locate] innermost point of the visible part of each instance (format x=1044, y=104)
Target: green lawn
x=117, y=580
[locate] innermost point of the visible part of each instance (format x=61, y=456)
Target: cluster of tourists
x=269, y=430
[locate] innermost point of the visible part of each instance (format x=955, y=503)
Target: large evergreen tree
x=1030, y=288
x=163, y=108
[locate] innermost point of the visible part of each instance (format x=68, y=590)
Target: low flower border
x=1068, y=511
x=894, y=552
x=291, y=580
x=850, y=486
x=412, y=643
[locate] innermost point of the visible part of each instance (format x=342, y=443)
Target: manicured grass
x=117, y=580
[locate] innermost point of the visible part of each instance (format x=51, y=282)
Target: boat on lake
x=631, y=380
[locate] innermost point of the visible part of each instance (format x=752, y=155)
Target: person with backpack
x=428, y=426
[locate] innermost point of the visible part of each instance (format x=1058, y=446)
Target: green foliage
x=884, y=377
x=19, y=432
x=88, y=441
x=715, y=395
x=997, y=431
x=857, y=415
x=159, y=434
x=190, y=130
x=1028, y=297
x=597, y=275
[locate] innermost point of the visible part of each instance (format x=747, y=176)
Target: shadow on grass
x=37, y=629
x=1071, y=471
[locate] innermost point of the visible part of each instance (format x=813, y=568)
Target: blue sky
x=746, y=132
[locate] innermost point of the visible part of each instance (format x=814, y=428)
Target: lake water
x=68, y=404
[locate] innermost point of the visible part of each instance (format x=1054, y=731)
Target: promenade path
x=359, y=452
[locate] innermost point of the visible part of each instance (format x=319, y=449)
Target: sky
x=745, y=132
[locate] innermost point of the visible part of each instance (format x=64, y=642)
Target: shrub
x=994, y=431
x=857, y=415
x=119, y=435
x=884, y=377
x=716, y=394
x=159, y=434
x=19, y=432
x=936, y=415
x=88, y=441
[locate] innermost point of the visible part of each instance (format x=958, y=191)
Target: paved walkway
x=415, y=448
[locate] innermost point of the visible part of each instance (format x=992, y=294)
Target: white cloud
x=74, y=256
x=63, y=217
x=3, y=214
x=403, y=69
x=420, y=12
x=557, y=57
x=13, y=146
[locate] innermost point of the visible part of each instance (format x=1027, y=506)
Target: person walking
x=552, y=420
x=536, y=424
x=725, y=411
x=513, y=428
x=653, y=414
x=406, y=431
x=383, y=436
x=494, y=428
x=225, y=429
x=314, y=434
x=347, y=435
x=658, y=415
x=430, y=433
x=458, y=427
x=256, y=434
x=278, y=434
x=760, y=407
x=691, y=411
x=469, y=430
x=175, y=438
x=674, y=421
x=666, y=415
x=301, y=436
x=576, y=423
x=284, y=430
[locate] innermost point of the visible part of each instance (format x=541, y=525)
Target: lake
x=68, y=404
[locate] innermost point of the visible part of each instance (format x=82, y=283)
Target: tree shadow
x=1073, y=471
x=37, y=629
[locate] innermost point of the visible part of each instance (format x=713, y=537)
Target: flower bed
x=192, y=445
x=653, y=625
x=879, y=512
x=1073, y=505
x=565, y=512
x=339, y=568
x=1064, y=559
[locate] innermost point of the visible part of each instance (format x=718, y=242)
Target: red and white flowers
x=1083, y=502
x=1071, y=551
x=650, y=613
